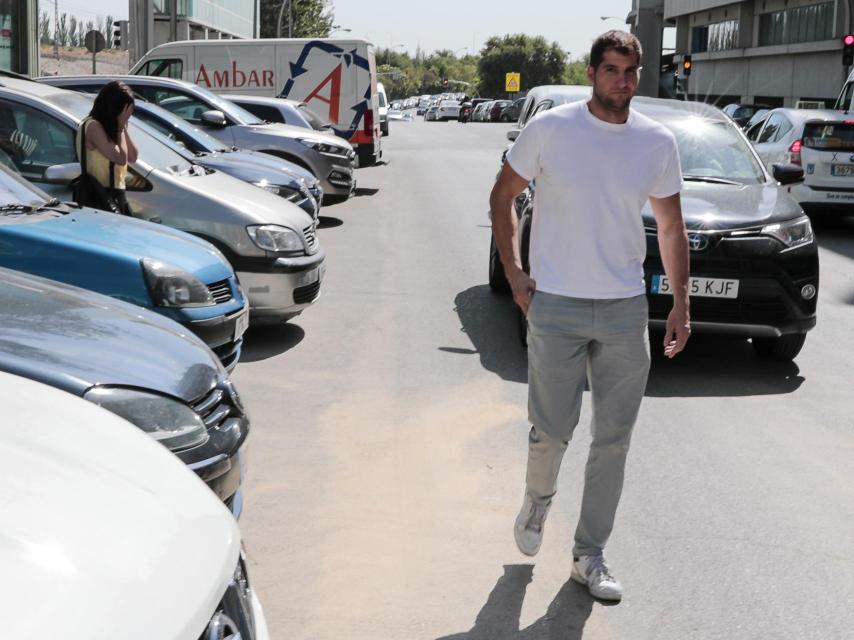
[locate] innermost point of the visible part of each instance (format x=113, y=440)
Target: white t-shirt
x=592, y=180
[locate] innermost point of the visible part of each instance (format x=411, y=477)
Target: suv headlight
x=794, y=233
x=267, y=186
x=172, y=423
x=272, y=237
x=322, y=147
x=172, y=286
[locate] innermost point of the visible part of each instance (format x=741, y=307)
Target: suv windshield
x=711, y=149
x=315, y=121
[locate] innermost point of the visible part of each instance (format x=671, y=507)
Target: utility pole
x=173, y=20
x=56, y=29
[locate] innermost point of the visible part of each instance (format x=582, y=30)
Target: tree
x=576, y=72
x=538, y=62
x=311, y=18
x=45, y=35
x=72, y=32
x=107, y=30
x=62, y=30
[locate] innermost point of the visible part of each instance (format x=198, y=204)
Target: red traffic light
x=848, y=40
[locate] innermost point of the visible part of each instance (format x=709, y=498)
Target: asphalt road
x=386, y=461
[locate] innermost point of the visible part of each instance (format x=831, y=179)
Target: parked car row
x=142, y=319
x=754, y=260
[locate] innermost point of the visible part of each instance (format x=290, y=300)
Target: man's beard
x=612, y=104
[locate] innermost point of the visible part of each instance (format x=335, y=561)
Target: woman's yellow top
x=98, y=166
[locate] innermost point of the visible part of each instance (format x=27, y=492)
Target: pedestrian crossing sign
x=513, y=82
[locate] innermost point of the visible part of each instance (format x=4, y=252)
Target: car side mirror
x=512, y=135
x=62, y=173
x=787, y=173
x=214, y=118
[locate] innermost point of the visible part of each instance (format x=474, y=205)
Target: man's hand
x=678, y=330
x=523, y=287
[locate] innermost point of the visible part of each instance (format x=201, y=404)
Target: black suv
x=754, y=260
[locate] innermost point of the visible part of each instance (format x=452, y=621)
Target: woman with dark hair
x=108, y=145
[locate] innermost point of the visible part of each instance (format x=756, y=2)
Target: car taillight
x=369, y=121
x=795, y=152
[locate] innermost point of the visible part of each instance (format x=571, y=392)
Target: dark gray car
x=133, y=362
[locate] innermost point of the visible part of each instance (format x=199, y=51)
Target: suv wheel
x=783, y=348
x=497, y=279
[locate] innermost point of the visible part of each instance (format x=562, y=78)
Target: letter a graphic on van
x=335, y=93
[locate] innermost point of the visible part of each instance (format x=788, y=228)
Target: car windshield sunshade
x=829, y=136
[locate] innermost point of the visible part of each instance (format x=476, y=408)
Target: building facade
x=777, y=52
x=19, y=44
x=154, y=22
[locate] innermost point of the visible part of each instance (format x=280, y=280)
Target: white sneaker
x=594, y=573
x=528, y=529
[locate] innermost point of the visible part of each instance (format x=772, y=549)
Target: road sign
x=513, y=82
x=95, y=41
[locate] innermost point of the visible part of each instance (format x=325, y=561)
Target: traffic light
x=120, y=34
x=686, y=65
x=444, y=82
x=848, y=50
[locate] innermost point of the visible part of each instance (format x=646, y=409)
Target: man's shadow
x=499, y=617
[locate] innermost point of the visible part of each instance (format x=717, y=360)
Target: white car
x=107, y=535
x=822, y=142
x=448, y=110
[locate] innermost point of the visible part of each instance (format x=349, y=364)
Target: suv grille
x=221, y=291
x=310, y=235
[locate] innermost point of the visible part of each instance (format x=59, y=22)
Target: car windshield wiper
x=16, y=208
x=53, y=202
x=711, y=179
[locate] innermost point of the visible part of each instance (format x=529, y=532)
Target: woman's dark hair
x=623, y=43
x=109, y=103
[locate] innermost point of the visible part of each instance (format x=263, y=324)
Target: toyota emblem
x=697, y=241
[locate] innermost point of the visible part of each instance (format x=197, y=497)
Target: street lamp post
x=285, y=3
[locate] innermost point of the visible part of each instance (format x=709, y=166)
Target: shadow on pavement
x=267, y=341
x=835, y=234
x=365, y=191
x=713, y=366
x=489, y=320
x=328, y=222
x=499, y=617
x=709, y=367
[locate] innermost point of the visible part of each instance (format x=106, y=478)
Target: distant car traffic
x=448, y=110
x=430, y=113
x=496, y=109
x=510, y=113
x=822, y=142
x=754, y=260
x=742, y=113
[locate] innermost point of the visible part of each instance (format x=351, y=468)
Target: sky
x=459, y=25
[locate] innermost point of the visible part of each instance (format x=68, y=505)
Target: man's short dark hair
x=620, y=41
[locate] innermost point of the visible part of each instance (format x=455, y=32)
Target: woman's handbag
x=86, y=190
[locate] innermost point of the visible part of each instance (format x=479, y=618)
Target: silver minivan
x=331, y=159
x=271, y=243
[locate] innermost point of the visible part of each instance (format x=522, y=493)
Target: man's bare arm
x=505, y=231
x=673, y=244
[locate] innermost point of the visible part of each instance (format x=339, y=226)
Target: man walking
x=595, y=164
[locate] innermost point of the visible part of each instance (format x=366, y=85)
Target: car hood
x=291, y=132
x=101, y=526
x=707, y=206
x=246, y=168
x=73, y=339
x=97, y=232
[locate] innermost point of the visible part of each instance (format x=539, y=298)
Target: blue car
x=168, y=271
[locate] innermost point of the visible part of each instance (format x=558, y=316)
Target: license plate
x=241, y=325
x=842, y=170
x=699, y=287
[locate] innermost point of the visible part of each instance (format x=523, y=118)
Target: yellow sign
x=513, y=82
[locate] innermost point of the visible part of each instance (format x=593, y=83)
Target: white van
x=336, y=78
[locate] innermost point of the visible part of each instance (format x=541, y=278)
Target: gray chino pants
x=570, y=341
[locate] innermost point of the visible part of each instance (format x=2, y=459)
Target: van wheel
x=366, y=155
x=785, y=347
x=497, y=279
